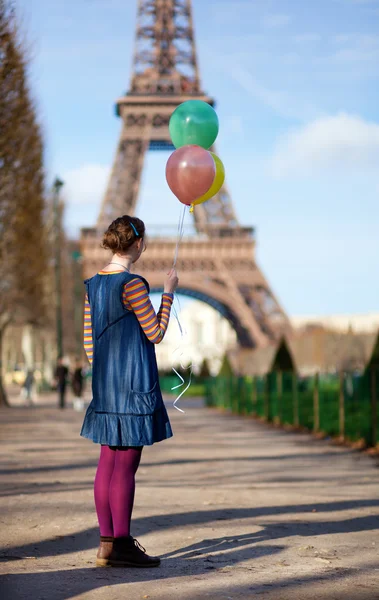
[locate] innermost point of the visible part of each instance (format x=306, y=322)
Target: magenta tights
x=114, y=490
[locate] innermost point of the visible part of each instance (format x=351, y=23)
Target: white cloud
x=335, y=143
x=365, y=40
x=235, y=13
x=86, y=184
x=351, y=56
x=291, y=58
x=343, y=38
x=233, y=125
x=356, y=48
x=278, y=100
x=275, y=21
x=355, y=55
x=363, y=1
x=307, y=37
x=83, y=192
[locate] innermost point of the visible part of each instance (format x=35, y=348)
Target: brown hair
x=120, y=235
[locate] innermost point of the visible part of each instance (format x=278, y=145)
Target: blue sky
x=296, y=85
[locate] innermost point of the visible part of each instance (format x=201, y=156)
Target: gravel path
x=237, y=509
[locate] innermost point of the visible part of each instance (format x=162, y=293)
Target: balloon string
x=189, y=368
x=180, y=234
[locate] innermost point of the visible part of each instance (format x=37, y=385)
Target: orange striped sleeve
x=136, y=298
x=88, y=341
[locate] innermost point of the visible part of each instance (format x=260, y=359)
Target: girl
x=127, y=410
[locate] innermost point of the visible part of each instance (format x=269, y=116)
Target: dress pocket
x=143, y=403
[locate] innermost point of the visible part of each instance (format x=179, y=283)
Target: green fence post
x=316, y=404
x=212, y=391
x=225, y=391
x=267, y=397
x=279, y=389
x=295, y=399
x=254, y=395
x=342, y=406
x=222, y=392
x=243, y=403
x=233, y=395
x=374, y=412
x=209, y=392
x=238, y=396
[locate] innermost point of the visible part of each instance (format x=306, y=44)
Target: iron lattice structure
x=218, y=266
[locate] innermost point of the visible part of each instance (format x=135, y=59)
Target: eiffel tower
x=217, y=265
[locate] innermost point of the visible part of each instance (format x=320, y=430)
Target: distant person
x=77, y=383
x=127, y=411
x=61, y=375
x=28, y=386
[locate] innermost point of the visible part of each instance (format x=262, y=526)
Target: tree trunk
x=3, y=394
x=28, y=346
x=48, y=362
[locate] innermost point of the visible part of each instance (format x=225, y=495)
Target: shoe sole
x=103, y=562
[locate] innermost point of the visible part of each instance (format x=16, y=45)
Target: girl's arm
x=136, y=298
x=88, y=341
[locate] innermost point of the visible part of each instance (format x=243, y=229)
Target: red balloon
x=190, y=172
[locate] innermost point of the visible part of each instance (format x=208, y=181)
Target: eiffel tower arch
x=218, y=264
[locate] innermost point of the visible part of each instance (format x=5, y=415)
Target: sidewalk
x=236, y=509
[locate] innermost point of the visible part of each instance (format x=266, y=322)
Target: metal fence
x=342, y=405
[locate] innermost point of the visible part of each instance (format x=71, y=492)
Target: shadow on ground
x=266, y=528
x=69, y=583
x=87, y=539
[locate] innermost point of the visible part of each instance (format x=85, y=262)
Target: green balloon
x=194, y=123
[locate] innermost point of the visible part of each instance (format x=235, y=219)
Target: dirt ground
x=235, y=508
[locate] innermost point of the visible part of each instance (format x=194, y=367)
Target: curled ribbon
x=182, y=334
x=189, y=368
x=179, y=386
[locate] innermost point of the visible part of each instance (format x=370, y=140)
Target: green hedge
x=340, y=405
x=197, y=389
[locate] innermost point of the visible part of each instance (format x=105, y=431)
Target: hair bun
x=120, y=235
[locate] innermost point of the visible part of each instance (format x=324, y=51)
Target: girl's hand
x=171, y=282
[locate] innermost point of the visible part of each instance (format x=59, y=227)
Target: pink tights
x=114, y=489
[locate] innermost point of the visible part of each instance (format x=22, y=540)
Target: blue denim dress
x=127, y=408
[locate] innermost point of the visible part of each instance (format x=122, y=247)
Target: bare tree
x=23, y=255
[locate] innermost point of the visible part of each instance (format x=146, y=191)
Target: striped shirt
x=135, y=298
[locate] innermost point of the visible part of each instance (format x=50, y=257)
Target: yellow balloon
x=217, y=182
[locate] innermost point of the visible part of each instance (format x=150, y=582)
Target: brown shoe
x=104, y=551
x=127, y=552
